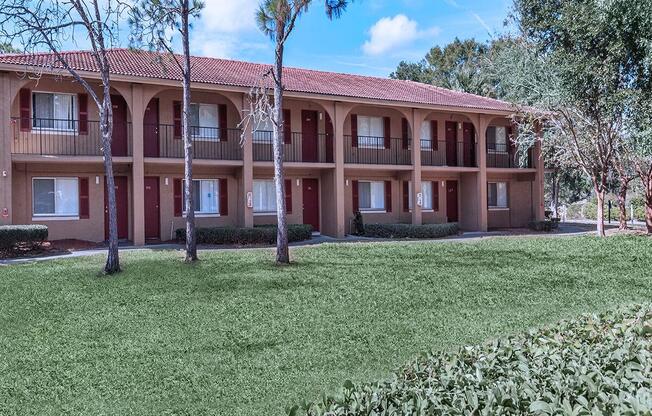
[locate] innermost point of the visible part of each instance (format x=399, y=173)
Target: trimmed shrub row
x=13, y=235
x=410, y=231
x=265, y=234
x=545, y=225
x=595, y=365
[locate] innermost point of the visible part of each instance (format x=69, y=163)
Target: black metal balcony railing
x=302, y=148
x=208, y=142
x=368, y=150
x=500, y=155
x=441, y=153
x=58, y=137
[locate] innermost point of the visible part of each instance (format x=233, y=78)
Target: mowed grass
x=236, y=335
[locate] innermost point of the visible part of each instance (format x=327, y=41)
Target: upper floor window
x=426, y=135
x=204, y=121
x=55, y=197
x=54, y=111
x=497, y=194
x=497, y=139
x=371, y=195
x=371, y=132
x=205, y=195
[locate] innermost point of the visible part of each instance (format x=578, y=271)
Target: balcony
x=504, y=156
x=58, y=137
x=209, y=143
x=449, y=154
x=306, y=148
x=368, y=150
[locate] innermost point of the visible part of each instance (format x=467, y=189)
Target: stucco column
x=138, y=166
x=418, y=117
x=5, y=151
x=341, y=111
x=538, y=201
x=481, y=154
x=248, y=177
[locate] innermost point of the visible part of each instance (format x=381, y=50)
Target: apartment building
x=398, y=151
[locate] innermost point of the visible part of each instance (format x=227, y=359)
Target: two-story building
x=397, y=151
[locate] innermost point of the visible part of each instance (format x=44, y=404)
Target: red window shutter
x=354, y=130
x=356, y=197
x=388, y=196
x=491, y=138
x=288, y=196
x=287, y=127
x=435, y=196
x=387, y=126
x=406, y=196
x=84, y=203
x=221, y=113
x=82, y=104
x=176, y=115
x=178, y=195
x=25, y=98
x=405, y=132
x=433, y=135
x=224, y=197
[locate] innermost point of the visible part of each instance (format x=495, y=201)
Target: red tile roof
x=135, y=63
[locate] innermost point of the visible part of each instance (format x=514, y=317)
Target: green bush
x=264, y=234
x=595, y=365
x=545, y=225
x=13, y=235
x=358, y=224
x=410, y=231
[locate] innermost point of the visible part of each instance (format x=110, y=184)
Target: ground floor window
x=371, y=195
x=264, y=196
x=427, y=189
x=55, y=197
x=205, y=195
x=497, y=194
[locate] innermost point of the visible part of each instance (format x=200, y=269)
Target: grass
x=235, y=335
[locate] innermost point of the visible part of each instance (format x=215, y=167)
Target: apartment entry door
x=119, y=145
x=452, y=209
x=451, y=143
x=311, y=202
x=122, y=205
x=309, y=132
x=152, y=210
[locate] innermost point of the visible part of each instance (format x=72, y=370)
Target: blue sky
x=370, y=38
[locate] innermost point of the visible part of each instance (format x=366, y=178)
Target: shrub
x=410, y=231
x=13, y=235
x=265, y=234
x=597, y=364
x=358, y=224
x=545, y=225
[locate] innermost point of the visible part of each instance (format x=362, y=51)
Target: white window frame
x=265, y=212
x=55, y=130
x=497, y=143
x=505, y=187
x=54, y=216
x=433, y=188
x=426, y=130
x=201, y=137
x=372, y=210
x=368, y=141
x=202, y=214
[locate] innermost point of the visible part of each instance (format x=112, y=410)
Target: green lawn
x=234, y=335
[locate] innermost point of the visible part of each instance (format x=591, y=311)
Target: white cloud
x=390, y=33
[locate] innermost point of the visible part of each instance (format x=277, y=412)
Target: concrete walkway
x=566, y=229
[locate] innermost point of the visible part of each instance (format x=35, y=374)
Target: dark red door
x=311, y=203
x=309, y=131
x=152, y=213
x=451, y=143
x=150, y=129
x=451, y=201
x=119, y=146
x=469, y=144
x=122, y=204
x=330, y=133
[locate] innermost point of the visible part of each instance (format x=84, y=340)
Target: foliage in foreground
x=12, y=235
x=410, y=231
x=247, y=236
x=590, y=366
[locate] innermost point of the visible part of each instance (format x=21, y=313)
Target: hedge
x=410, y=231
x=13, y=235
x=545, y=225
x=594, y=365
x=245, y=236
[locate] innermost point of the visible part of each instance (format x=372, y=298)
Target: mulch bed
x=46, y=249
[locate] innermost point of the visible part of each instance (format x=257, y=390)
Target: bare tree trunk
x=599, y=193
x=282, y=250
x=191, y=241
x=622, y=200
x=106, y=125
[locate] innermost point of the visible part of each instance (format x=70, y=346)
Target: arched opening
x=448, y=140
x=502, y=149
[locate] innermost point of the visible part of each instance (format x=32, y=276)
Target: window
x=205, y=196
x=263, y=131
x=426, y=189
x=264, y=196
x=426, y=135
x=497, y=139
x=497, y=194
x=204, y=121
x=54, y=111
x=371, y=132
x=371, y=196
x=55, y=197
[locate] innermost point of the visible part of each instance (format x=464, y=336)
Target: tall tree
x=38, y=25
x=154, y=23
x=276, y=19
